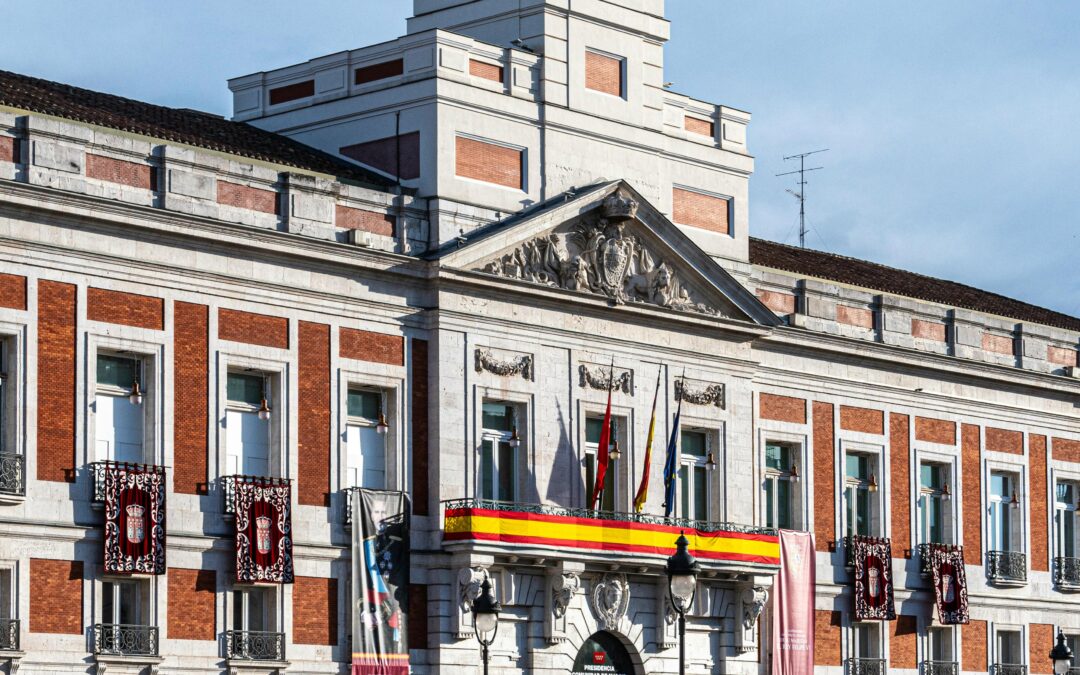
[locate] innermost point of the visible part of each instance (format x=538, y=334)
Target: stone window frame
x=392, y=388
x=151, y=355
x=525, y=404
x=929, y=453
x=801, y=515
x=880, y=521
x=1061, y=473
x=627, y=469
x=924, y=649
x=1000, y=627
x=11, y=566
x=1019, y=472
x=14, y=425
x=715, y=429
x=278, y=373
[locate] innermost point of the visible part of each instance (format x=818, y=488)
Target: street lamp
x=682, y=571
x=1061, y=655
x=486, y=619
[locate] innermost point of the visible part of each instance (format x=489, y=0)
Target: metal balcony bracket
x=1006, y=568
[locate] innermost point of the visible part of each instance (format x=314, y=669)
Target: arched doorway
x=603, y=654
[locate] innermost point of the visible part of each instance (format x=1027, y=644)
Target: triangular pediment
x=607, y=241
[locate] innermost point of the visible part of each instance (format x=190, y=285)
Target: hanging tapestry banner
x=134, y=519
x=793, y=606
x=380, y=555
x=872, y=557
x=263, y=509
x=950, y=582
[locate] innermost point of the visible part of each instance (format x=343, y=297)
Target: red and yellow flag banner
x=467, y=521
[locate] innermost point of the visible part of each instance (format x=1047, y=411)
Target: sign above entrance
x=603, y=654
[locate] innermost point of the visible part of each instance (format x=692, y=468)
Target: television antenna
x=801, y=194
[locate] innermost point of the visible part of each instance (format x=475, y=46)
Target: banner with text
x=793, y=606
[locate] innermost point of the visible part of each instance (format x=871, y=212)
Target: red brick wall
x=191, y=391
x=386, y=154
x=369, y=221
x=865, y=420
x=783, y=409
x=379, y=71
x=418, y=614
x=928, y=330
x=971, y=480
x=1040, y=557
x=419, y=381
x=855, y=316
x=902, y=645
x=119, y=171
x=999, y=344
x=292, y=92
x=697, y=125
x=7, y=149
x=56, y=596
x=192, y=604
x=253, y=329
x=364, y=345
x=701, y=210
x=129, y=309
x=1004, y=440
x=973, y=639
x=900, y=478
x=489, y=162
x=935, y=431
x=1061, y=356
x=1067, y=450
x=824, y=481
x=603, y=73
x=1040, y=642
x=12, y=291
x=313, y=412
x=488, y=71
x=781, y=303
x=315, y=611
x=56, y=382
x=244, y=197
x=827, y=626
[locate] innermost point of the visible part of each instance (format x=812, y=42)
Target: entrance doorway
x=603, y=654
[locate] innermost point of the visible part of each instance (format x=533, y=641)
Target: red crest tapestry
x=263, y=530
x=872, y=557
x=134, y=519
x=950, y=583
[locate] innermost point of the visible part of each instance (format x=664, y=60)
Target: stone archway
x=605, y=653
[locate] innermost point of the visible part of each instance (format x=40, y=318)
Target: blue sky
x=953, y=127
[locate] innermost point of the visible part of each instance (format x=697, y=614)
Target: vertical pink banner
x=793, y=606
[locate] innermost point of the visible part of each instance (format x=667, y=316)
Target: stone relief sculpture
x=599, y=377
x=611, y=599
x=563, y=588
x=709, y=394
x=596, y=255
x=486, y=360
x=754, y=600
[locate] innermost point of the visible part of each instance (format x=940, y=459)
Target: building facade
x=421, y=266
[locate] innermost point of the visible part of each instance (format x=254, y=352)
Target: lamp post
x=486, y=619
x=1061, y=655
x=682, y=571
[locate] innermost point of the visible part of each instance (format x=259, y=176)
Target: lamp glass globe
x=485, y=623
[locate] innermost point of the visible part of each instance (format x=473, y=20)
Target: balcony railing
x=250, y=645
x=940, y=667
x=12, y=473
x=228, y=487
x=125, y=640
x=98, y=470
x=1067, y=573
x=866, y=667
x=9, y=635
x=1008, y=567
x=1008, y=669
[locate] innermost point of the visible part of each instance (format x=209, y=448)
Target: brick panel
x=364, y=345
x=368, y=221
x=56, y=382
x=313, y=413
x=7, y=149
x=379, y=71
x=696, y=125
x=971, y=480
x=12, y=290
x=935, y=431
x=485, y=70
x=56, y=597
x=928, y=330
x=119, y=171
x=253, y=329
x=904, y=638
x=191, y=392
x=315, y=611
x=701, y=210
x=855, y=316
x=128, y=309
x=419, y=382
x=292, y=92
x=973, y=639
x=394, y=155
x=1062, y=356
x=865, y=420
x=489, y=162
x=900, y=482
x=783, y=409
x=1066, y=450
x=192, y=604
x=1004, y=440
x=824, y=481
x=827, y=627
x=781, y=303
x=418, y=614
x=999, y=344
x=1040, y=642
x=244, y=197
x=603, y=73
x=1037, y=467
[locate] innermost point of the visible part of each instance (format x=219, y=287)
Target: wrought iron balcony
x=228, y=487
x=1008, y=669
x=1067, y=573
x=9, y=635
x=125, y=640
x=250, y=645
x=1006, y=567
x=12, y=473
x=98, y=471
x=939, y=667
x=866, y=667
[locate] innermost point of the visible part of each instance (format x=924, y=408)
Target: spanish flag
x=643, y=488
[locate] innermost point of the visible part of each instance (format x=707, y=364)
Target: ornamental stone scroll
x=503, y=364
x=596, y=376
x=562, y=586
x=699, y=393
x=469, y=581
x=751, y=604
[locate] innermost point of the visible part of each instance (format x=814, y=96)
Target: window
x=7, y=596
x=780, y=478
x=695, y=462
x=5, y=384
x=1004, y=513
x=860, y=494
x=1073, y=641
x=865, y=641
x=934, y=494
x=247, y=425
x=365, y=440
x=125, y=603
x=118, y=409
x=610, y=497
x=1065, y=519
x=253, y=610
x=1009, y=647
x=499, y=446
x=939, y=644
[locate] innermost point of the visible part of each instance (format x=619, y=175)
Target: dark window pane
x=117, y=371
x=364, y=403
x=693, y=443
x=498, y=417
x=507, y=473
x=701, y=494
x=243, y=388
x=783, y=504
x=777, y=457
x=487, y=470
x=593, y=427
